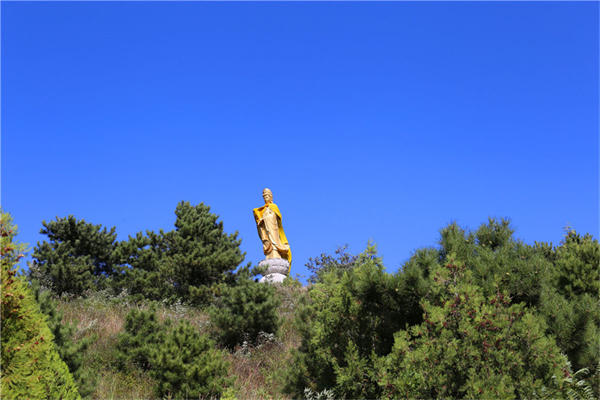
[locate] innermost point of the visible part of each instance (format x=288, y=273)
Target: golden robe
x=277, y=239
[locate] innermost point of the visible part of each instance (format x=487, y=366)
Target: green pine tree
x=187, y=365
x=143, y=271
x=200, y=252
x=243, y=311
x=77, y=256
x=472, y=346
x=347, y=321
x=184, y=363
x=183, y=263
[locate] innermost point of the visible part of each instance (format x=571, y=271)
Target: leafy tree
x=243, y=311
x=471, y=346
x=31, y=367
x=346, y=323
x=340, y=262
x=76, y=257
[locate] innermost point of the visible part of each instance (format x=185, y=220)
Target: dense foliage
x=79, y=256
x=481, y=315
x=184, y=362
x=472, y=346
x=31, y=367
x=243, y=311
x=69, y=347
x=355, y=310
x=349, y=320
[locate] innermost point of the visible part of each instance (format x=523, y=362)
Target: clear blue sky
x=382, y=121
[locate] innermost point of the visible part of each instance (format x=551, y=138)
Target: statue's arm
x=257, y=216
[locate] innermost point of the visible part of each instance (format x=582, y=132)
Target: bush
x=187, y=365
x=559, y=283
x=471, y=346
x=570, y=302
x=143, y=333
x=325, y=263
x=346, y=322
x=243, y=311
x=184, y=363
x=69, y=348
x=31, y=366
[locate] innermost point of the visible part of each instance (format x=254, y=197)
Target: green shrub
x=184, y=363
x=577, y=260
x=243, y=311
x=471, y=346
x=142, y=334
x=187, y=365
x=570, y=303
x=31, y=367
x=69, y=348
x=346, y=322
x=325, y=263
x=559, y=283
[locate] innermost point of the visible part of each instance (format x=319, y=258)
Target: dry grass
x=116, y=385
x=258, y=371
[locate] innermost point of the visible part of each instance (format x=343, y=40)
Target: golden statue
x=270, y=230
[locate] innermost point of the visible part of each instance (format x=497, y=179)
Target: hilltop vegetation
x=175, y=315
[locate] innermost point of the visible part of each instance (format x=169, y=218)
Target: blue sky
x=382, y=121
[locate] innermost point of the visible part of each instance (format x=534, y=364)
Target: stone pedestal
x=277, y=270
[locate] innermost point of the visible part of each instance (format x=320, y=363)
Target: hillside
x=173, y=315
x=257, y=370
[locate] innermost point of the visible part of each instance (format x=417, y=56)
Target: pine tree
x=243, y=311
x=200, y=252
x=472, y=346
x=184, y=363
x=347, y=321
x=77, y=256
x=577, y=260
x=570, y=304
x=142, y=268
x=182, y=263
x=187, y=365
x=31, y=366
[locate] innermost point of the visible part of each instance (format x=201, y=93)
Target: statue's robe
x=281, y=246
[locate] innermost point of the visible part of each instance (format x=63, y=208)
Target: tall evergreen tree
x=180, y=263
x=199, y=251
x=142, y=270
x=77, y=256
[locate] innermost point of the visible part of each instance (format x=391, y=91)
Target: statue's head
x=267, y=195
